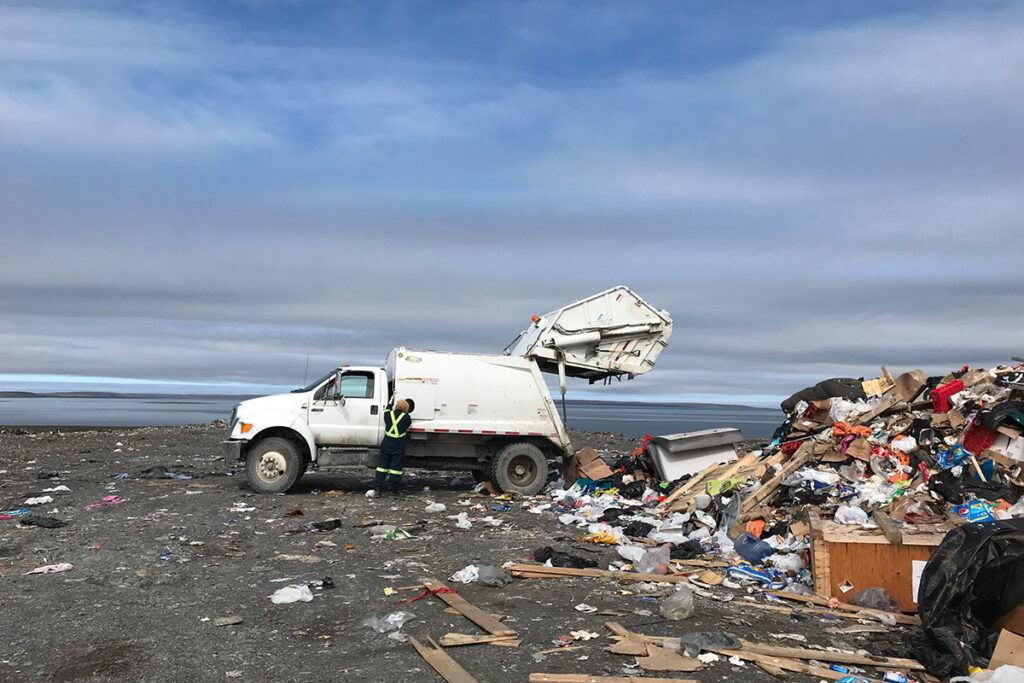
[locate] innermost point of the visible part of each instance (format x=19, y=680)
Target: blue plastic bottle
x=751, y=548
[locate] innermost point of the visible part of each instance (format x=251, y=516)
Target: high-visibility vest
x=393, y=429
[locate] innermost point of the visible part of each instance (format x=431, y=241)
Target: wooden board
x=531, y=570
x=471, y=612
x=442, y=663
x=688, y=486
x=586, y=678
x=456, y=639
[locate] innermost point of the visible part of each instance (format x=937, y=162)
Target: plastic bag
x=876, y=598
x=467, y=574
x=854, y=472
x=654, y=560
x=679, y=605
x=851, y=515
x=495, y=577
x=791, y=562
x=293, y=593
x=434, y=507
x=695, y=643
x=462, y=521
x=391, y=622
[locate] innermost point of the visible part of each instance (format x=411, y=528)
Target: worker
x=392, y=447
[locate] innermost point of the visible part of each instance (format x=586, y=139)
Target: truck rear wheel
x=273, y=465
x=520, y=468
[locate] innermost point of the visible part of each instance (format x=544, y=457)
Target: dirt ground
x=152, y=574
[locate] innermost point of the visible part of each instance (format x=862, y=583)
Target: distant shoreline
x=243, y=397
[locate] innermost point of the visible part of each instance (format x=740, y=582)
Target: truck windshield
x=314, y=385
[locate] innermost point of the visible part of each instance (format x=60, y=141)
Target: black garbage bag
x=560, y=559
x=634, y=490
x=958, y=485
x=686, y=550
x=638, y=528
x=971, y=580
x=611, y=515
x=842, y=387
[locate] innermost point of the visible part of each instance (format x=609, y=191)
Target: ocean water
x=632, y=419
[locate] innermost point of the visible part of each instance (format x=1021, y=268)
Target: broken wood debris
x=442, y=662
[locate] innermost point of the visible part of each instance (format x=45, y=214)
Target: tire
x=519, y=468
x=273, y=465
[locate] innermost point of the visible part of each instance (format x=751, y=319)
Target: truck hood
x=274, y=403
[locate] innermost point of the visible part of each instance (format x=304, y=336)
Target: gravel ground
x=152, y=574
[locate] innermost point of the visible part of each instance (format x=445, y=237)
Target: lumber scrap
x=662, y=659
x=688, y=486
x=829, y=656
x=457, y=639
x=442, y=662
x=789, y=665
x=566, y=572
x=900, y=618
x=792, y=465
x=586, y=678
x=471, y=612
x=889, y=528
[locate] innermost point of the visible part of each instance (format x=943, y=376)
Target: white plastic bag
x=294, y=593
x=467, y=574
x=851, y=515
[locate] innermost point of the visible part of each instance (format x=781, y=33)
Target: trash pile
x=886, y=461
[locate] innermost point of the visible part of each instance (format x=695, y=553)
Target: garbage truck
x=491, y=415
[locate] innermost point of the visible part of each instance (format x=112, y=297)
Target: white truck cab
x=489, y=414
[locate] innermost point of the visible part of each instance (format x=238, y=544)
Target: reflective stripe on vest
x=393, y=429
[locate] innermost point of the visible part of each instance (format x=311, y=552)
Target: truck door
x=346, y=410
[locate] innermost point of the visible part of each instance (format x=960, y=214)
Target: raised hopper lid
x=611, y=333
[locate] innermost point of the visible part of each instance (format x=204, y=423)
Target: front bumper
x=232, y=452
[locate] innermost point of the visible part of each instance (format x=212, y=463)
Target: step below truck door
x=611, y=333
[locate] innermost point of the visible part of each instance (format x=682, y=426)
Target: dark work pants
x=389, y=465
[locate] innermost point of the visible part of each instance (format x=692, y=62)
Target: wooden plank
x=442, y=663
x=828, y=656
x=662, y=659
x=790, y=665
x=457, y=639
x=787, y=609
x=526, y=569
x=694, y=480
x=587, y=678
x=888, y=527
x=843, y=606
x=796, y=462
x=471, y=612
x=452, y=610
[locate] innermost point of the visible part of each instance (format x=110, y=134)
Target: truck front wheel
x=273, y=465
x=519, y=468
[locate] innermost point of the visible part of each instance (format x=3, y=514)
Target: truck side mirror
x=340, y=400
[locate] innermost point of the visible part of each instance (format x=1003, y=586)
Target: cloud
x=193, y=197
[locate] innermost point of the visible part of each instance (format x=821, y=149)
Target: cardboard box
x=1009, y=650
x=585, y=463
x=1013, y=448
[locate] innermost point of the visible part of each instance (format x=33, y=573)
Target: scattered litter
x=40, y=500
x=585, y=608
x=52, y=568
x=435, y=507
x=391, y=622
x=583, y=635
x=227, y=621
x=468, y=574
x=292, y=593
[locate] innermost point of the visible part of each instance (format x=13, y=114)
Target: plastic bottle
x=751, y=548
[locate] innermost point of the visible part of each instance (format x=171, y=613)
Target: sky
x=221, y=194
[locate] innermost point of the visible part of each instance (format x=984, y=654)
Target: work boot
x=378, y=491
